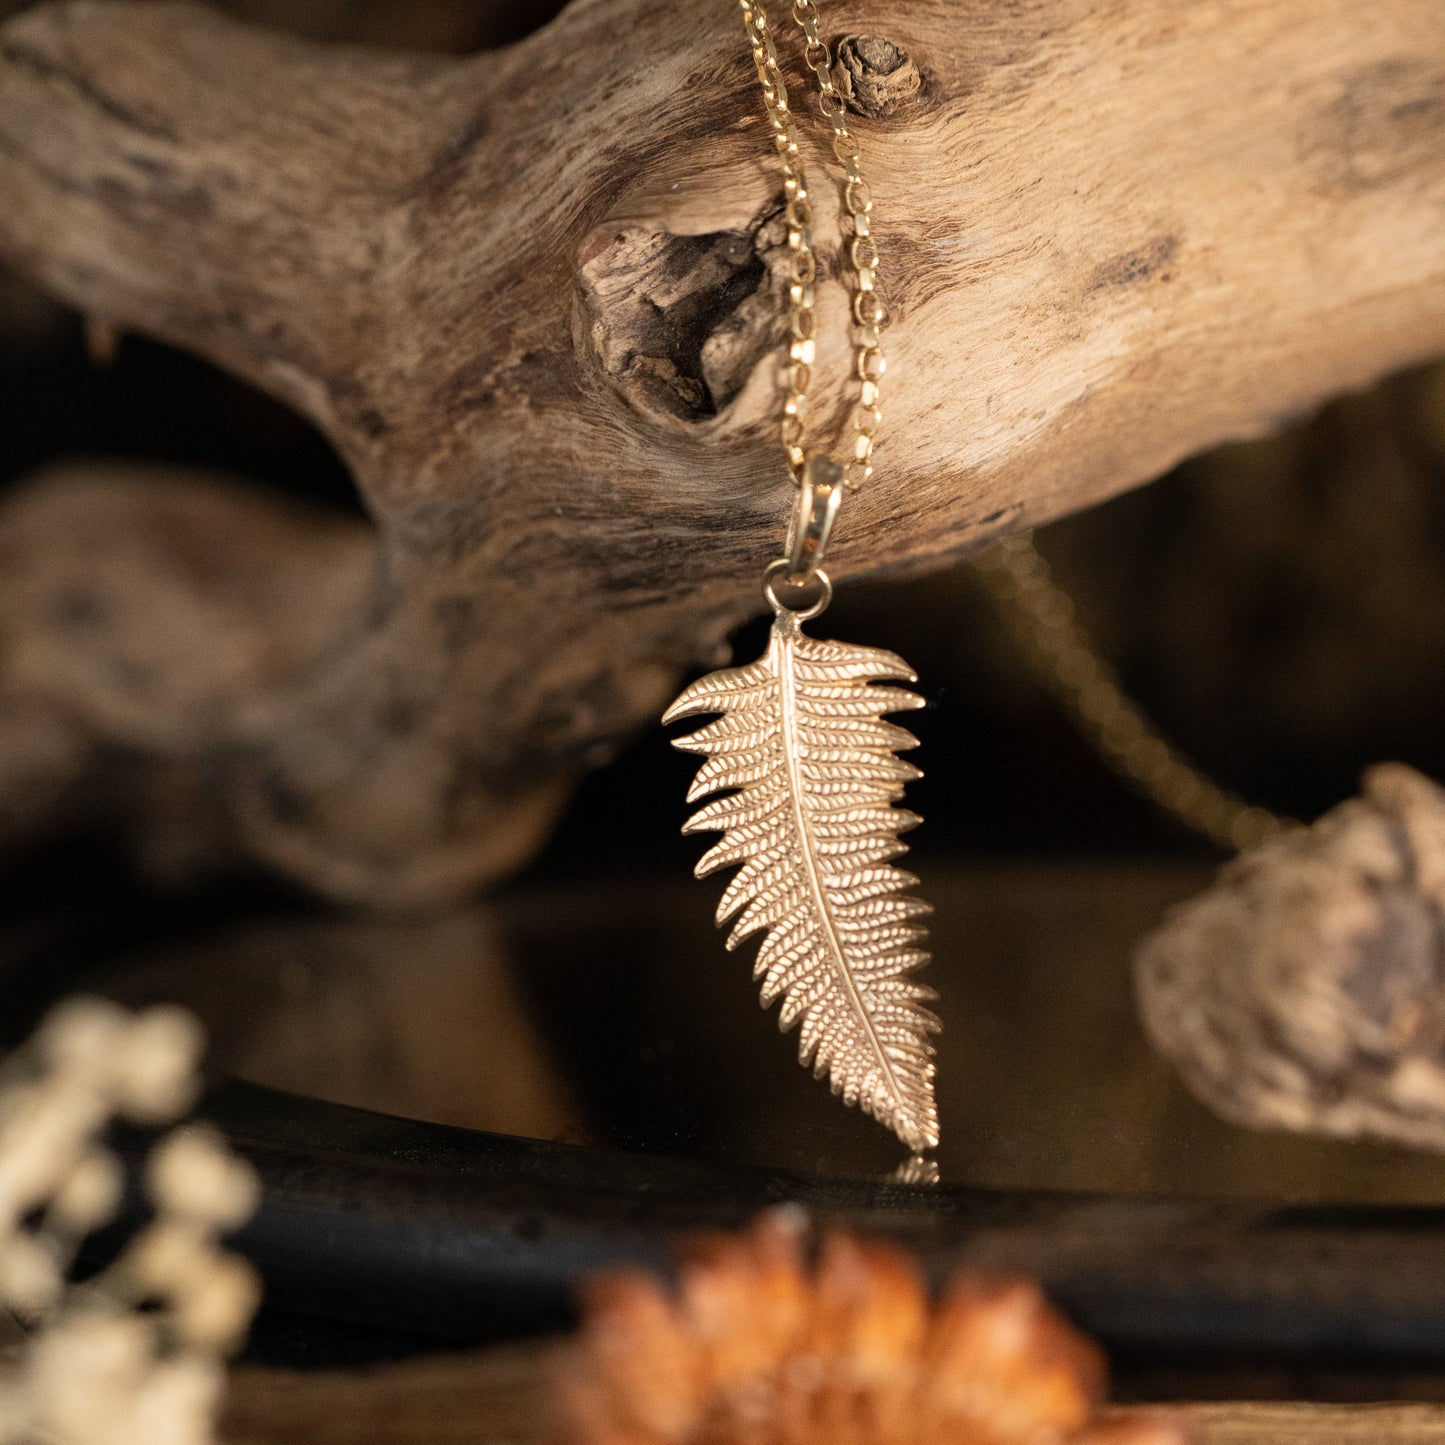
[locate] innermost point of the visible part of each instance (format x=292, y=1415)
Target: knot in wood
x=874, y=76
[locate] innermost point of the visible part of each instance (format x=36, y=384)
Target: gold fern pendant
x=809, y=775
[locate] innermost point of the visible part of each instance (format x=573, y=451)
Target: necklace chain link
x=1039, y=614
x=1040, y=617
x=868, y=312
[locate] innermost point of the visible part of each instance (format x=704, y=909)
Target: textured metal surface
x=810, y=775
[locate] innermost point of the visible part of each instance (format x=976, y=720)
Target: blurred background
x=1278, y=609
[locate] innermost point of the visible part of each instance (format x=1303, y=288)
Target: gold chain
x=869, y=315
x=1038, y=613
x=1040, y=617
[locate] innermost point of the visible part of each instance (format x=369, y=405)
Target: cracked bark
x=531, y=296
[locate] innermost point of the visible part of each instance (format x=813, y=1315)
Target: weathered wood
x=490, y=1395
x=531, y=296
x=1296, y=1424
x=506, y=1395
x=1303, y=990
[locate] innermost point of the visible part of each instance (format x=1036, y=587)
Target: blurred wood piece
x=1304, y=990
x=491, y=1395
x=503, y=1395
x=1291, y=1424
x=531, y=297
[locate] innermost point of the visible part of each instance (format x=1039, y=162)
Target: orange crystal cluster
x=754, y=1347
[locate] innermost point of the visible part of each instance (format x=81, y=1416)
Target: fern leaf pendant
x=808, y=774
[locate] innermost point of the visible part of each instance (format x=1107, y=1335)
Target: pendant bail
x=820, y=494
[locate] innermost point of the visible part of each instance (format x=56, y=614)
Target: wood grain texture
x=507, y=1395
x=501, y=1394
x=531, y=296
x=1291, y=1424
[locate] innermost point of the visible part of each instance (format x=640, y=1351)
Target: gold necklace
x=1039, y=616
x=806, y=766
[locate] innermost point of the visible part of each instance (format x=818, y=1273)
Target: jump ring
x=820, y=577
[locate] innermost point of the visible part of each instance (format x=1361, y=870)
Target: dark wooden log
x=461, y=1236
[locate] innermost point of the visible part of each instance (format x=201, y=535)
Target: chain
x=798, y=212
x=869, y=314
x=1038, y=613
x=1040, y=616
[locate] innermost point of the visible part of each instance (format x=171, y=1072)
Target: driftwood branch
x=532, y=298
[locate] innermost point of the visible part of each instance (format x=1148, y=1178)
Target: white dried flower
x=43, y=1138
x=84, y=1371
x=157, y=1065
x=31, y=1280
x=132, y=1356
x=192, y=1174
x=163, y=1258
x=178, y=1405
x=214, y=1311
x=81, y=1036
x=90, y=1196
